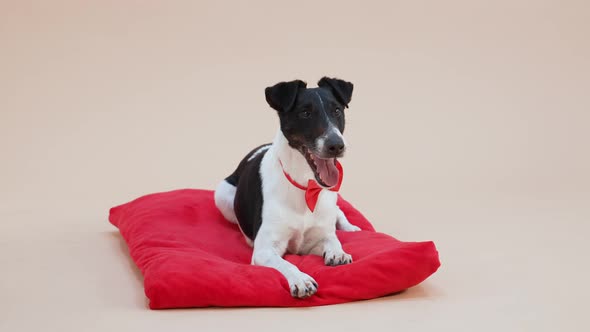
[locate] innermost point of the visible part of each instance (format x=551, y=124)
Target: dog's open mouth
x=325, y=171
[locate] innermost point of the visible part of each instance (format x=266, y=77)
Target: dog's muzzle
x=333, y=147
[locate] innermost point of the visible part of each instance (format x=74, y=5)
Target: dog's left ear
x=342, y=90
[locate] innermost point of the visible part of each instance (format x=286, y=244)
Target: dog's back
x=247, y=212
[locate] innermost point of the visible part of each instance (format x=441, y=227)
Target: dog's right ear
x=281, y=96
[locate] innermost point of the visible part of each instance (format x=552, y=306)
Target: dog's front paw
x=302, y=286
x=338, y=258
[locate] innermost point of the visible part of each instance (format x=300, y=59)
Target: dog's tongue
x=327, y=170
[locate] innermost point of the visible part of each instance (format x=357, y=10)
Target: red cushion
x=190, y=256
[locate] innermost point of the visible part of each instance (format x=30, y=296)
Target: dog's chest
x=306, y=228
x=285, y=213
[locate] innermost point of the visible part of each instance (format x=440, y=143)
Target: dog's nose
x=334, y=146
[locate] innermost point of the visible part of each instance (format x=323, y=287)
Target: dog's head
x=312, y=120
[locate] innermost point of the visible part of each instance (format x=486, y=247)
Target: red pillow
x=190, y=256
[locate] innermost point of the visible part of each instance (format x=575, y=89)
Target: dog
x=283, y=194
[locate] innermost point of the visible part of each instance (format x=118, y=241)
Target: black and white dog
x=283, y=195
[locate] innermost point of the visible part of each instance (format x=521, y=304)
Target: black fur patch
x=305, y=114
x=234, y=178
x=248, y=200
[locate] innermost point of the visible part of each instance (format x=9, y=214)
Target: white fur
x=343, y=224
x=321, y=101
x=259, y=151
x=287, y=223
x=224, y=200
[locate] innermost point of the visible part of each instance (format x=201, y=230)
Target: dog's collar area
x=313, y=189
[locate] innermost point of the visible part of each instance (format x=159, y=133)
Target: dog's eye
x=337, y=112
x=305, y=114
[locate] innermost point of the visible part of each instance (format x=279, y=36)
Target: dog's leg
x=331, y=249
x=343, y=224
x=266, y=254
x=224, y=200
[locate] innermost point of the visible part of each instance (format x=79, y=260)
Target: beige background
x=469, y=126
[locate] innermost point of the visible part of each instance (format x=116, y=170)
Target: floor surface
x=469, y=126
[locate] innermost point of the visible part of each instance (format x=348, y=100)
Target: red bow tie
x=313, y=189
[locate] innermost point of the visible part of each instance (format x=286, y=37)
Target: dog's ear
x=342, y=90
x=281, y=96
